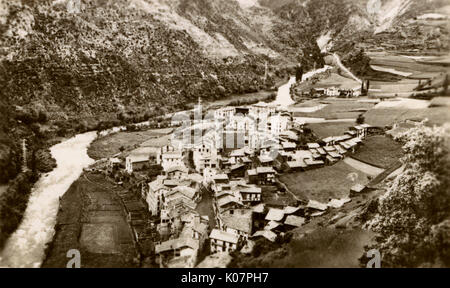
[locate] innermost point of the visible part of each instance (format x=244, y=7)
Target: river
x=26, y=246
x=284, y=99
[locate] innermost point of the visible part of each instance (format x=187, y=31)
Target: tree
x=445, y=85
x=154, y=171
x=412, y=221
x=42, y=117
x=360, y=119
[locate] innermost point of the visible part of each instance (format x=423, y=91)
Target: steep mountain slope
x=351, y=28
x=136, y=53
x=362, y=20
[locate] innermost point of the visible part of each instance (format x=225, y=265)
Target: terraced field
x=411, y=66
x=330, y=182
x=380, y=151
x=110, y=145
x=324, y=130
x=388, y=116
x=337, y=109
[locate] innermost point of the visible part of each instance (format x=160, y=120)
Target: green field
x=99, y=238
x=336, y=109
x=326, y=248
x=380, y=151
x=404, y=64
x=336, y=80
x=110, y=145
x=324, y=130
x=91, y=219
x=323, y=184
x=401, y=88
x=388, y=116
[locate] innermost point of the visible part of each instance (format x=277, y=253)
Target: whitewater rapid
x=26, y=246
x=284, y=98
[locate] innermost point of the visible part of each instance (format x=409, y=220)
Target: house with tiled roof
x=153, y=196
x=275, y=214
x=177, y=172
x=261, y=175
x=223, y=241
x=240, y=222
x=250, y=195
x=136, y=162
x=169, y=251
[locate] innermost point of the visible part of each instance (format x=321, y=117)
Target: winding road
x=342, y=67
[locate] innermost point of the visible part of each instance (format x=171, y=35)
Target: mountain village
x=230, y=158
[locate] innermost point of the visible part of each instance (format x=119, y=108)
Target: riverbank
x=91, y=219
x=13, y=202
x=25, y=247
x=249, y=98
x=14, y=196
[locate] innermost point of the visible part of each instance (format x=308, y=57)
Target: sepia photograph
x=232, y=134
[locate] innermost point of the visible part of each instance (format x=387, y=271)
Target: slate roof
x=296, y=164
x=296, y=221
x=137, y=158
x=329, y=148
x=272, y=225
x=291, y=210
x=243, y=223
x=224, y=236
x=316, y=205
x=313, y=145
x=263, y=170
x=258, y=208
x=275, y=215
x=177, y=168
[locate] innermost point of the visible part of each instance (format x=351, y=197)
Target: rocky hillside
x=79, y=57
x=372, y=24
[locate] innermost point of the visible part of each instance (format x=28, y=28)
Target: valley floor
x=92, y=220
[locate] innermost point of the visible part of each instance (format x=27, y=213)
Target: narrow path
x=339, y=63
x=205, y=207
